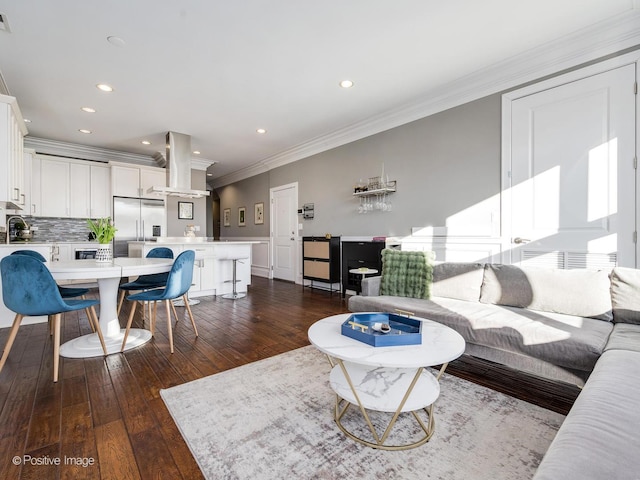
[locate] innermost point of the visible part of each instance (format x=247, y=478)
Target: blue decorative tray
x=403, y=330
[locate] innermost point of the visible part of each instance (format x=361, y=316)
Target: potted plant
x=104, y=231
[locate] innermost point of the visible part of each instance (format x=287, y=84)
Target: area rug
x=273, y=419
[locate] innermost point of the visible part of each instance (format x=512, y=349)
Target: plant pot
x=104, y=254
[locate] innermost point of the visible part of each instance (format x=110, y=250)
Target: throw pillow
x=406, y=274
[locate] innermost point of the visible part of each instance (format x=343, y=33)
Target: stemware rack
x=375, y=186
x=373, y=195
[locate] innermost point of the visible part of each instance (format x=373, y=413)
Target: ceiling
x=220, y=70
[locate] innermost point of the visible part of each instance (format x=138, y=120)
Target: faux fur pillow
x=406, y=274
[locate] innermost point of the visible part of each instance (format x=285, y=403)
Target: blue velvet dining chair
x=178, y=283
x=147, y=282
x=29, y=290
x=66, y=292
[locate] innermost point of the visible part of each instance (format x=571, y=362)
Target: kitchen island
x=213, y=268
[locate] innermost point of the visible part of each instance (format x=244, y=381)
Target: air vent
x=569, y=260
x=4, y=23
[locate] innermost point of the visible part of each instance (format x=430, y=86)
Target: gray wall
x=443, y=164
x=245, y=194
x=176, y=226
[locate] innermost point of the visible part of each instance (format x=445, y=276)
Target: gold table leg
x=342, y=405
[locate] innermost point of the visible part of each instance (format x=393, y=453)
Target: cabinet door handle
x=33, y=208
x=17, y=192
x=23, y=198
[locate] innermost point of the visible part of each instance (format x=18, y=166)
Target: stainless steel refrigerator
x=138, y=219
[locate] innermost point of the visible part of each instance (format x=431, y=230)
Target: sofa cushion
x=625, y=295
x=457, y=280
x=406, y=273
x=625, y=336
x=564, y=340
x=584, y=293
x=599, y=438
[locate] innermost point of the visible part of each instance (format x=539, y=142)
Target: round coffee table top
x=440, y=344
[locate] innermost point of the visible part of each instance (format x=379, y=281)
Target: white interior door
x=284, y=231
x=571, y=177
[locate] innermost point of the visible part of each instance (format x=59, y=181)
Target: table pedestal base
x=89, y=345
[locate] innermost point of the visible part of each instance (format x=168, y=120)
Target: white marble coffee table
x=387, y=379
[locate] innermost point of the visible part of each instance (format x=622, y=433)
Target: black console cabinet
x=359, y=255
x=321, y=260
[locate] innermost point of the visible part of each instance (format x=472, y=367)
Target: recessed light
x=346, y=84
x=261, y=131
x=116, y=41
x=84, y=130
x=196, y=152
x=146, y=142
x=104, y=87
x=88, y=109
x=209, y=174
x=26, y=120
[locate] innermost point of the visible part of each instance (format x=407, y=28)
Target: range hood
x=178, y=166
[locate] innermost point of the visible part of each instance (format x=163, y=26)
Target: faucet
x=12, y=217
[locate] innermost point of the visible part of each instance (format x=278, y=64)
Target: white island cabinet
x=213, y=268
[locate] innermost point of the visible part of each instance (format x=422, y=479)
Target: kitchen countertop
x=193, y=240
x=44, y=244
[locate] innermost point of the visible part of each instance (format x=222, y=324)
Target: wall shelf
x=389, y=188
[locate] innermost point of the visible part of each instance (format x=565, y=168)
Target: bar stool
x=235, y=294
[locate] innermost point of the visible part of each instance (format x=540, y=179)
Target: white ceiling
x=218, y=70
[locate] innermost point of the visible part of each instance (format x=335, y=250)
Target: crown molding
x=586, y=45
x=85, y=152
x=201, y=163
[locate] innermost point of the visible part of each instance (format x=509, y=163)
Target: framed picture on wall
x=185, y=210
x=259, y=213
x=241, y=216
x=226, y=217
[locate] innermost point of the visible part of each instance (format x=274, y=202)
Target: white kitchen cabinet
x=131, y=181
x=12, y=132
x=80, y=190
x=68, y=188
x=28, y=193
x=125, y=181
x=203, y=273
x=54, y=187
x=100, y=194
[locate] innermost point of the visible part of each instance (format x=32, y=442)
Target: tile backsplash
x=54, y=229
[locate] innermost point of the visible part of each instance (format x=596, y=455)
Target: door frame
x=272, y=220
x=506, y=144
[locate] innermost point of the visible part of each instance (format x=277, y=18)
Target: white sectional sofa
x=578, y=326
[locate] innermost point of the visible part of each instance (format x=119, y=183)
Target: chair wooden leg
x=169, y=330
x=126, y=332
x=173, y=307
x=153, y=311
x=186, y=304
x=88, y=312
x=96, y=328
x=50, y=323
x=56, y=345
x=12, y=337
x=120, y=301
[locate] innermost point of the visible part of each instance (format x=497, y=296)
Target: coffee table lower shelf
x=393, y=390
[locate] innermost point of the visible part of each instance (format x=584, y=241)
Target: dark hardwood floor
x=105, y=419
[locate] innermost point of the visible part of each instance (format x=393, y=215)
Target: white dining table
x=108, y=276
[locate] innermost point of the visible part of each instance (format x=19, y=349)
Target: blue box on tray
x=404, y=330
